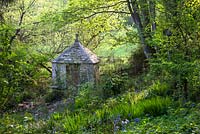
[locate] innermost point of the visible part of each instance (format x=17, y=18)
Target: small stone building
x=75, y=66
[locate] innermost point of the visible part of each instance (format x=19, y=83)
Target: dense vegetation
x=149, y=70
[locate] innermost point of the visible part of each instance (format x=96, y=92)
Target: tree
x=3, y=5
x=143, y=14
x=177, y=41
x=176, y=31
x=16, y=67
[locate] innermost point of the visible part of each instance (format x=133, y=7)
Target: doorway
x=73, y=75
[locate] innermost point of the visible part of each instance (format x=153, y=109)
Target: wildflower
x=147, y=115
x=193, y=105
x=137, y=120
x=126, y=121
x=116, y=128
x=118, y=116
x=124, y=130
x=117, y=119
x=129, y=115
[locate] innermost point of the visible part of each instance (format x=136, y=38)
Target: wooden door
x=76, y=74
x=73, y=75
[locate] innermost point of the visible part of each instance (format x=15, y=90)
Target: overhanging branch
x=100, y=12
x=21, y=18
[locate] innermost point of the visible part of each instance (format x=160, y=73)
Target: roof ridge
x=77, y=53
x=83, y=48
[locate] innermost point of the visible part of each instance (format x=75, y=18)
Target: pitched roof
x=77, y=53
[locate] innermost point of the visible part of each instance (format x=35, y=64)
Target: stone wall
x=59, y=76
x=67, y=75
x=62, y=76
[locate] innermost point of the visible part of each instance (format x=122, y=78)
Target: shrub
x=155, y=106
x=88, y=98
x=159, y=89
x=113, y=84
x=55, y=95
x=137, y=62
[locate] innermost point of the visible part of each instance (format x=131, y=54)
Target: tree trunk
x=185, y=88
x=134, y=11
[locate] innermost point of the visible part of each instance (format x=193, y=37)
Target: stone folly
x=75, y=66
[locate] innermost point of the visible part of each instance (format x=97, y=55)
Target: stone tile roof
x=77, y=53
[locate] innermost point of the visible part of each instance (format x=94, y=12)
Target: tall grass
x=101, y=120
x=74, y=123
x=153, y=106
x=80, y=122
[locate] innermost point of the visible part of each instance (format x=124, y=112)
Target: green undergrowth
x=181, y=120
x=89, y=116
x=127, y=113
x=147, y=111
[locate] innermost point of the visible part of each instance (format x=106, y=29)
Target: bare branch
x=18, y=29
x=31, y=4
x=113, y=5
x=23, y=12
x=100, y=12
x=45, y=67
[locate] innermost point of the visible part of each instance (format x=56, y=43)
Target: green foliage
x=74, y=123
x=159, y=89
x=16, y=70
x=137, y=62
x=113, y=84
x=88, y=98
x=54, y=95
x=11, y=67
x=154, y=106
x=179, y=120
x=91, y=114
x=177, y=55
x=174, y=68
